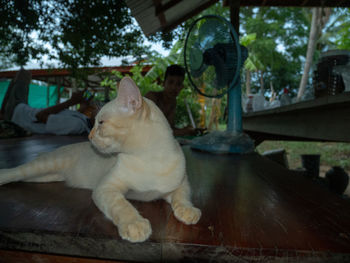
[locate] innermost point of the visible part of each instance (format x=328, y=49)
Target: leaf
x=248, y=39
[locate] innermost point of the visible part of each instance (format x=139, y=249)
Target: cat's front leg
x=109, y=198
x=180, y=202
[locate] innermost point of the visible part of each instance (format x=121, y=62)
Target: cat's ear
x=129, y=95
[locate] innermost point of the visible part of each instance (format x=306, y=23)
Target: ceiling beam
x=182, y=19
x=162, y=8
x=161, y=16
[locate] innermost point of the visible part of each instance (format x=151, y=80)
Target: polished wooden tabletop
x=252, y=210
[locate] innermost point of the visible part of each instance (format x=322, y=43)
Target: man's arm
x=76, y=98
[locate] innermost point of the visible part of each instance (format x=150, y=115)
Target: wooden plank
x=327, y=101
x=324, y=119
x=252, y=209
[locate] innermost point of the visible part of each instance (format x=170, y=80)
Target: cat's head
x=115, y=121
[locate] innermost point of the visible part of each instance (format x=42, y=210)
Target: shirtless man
x=166, y=99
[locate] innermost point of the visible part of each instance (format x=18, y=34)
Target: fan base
x=224, y=142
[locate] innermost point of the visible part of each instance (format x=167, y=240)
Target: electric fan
x=213, y=59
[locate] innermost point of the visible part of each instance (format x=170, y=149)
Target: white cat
x=132, y=155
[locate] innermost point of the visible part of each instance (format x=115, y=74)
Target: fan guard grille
x=212, y=56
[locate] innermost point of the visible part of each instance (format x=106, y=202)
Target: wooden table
x=253, y=210
x=322, y=119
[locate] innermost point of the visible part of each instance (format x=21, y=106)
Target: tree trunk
x=319, y=19
x=273, y=93
x=247, y=82
x=261, y=80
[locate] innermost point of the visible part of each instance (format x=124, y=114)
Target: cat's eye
x=100, y=122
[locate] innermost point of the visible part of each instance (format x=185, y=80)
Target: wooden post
x=234, y=121
x=234, y=14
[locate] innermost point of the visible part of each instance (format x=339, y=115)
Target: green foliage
x=343, y=41
x=89, y=30
x=166, y=38
x=336, y=35
x=79, y=32
x=276, y=39
x=278, y=32
x=152, y=82
x=181, y=116
x=76, y=33
x=145, y=83
x=18, y=20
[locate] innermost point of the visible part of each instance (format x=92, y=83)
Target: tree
x=275, y=54
x=77, y=33
x=320, y=17
x=19, y=19
x=252, y=63
x=336, y=33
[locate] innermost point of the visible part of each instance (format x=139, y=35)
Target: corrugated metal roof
x=152, y=20
x=164, y=15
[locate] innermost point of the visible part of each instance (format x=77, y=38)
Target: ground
x=332, y=154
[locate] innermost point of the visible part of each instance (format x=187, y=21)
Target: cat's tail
x=45, y=165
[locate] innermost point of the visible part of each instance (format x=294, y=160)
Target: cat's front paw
x=188, y=214
x=136, y=231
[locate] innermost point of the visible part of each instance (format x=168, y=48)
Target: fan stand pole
x=235, y=109
x=233, y=140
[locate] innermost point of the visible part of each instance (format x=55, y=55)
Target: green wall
x=38, y=95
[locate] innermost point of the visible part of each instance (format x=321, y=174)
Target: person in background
x=166, y=99
x=57, y=119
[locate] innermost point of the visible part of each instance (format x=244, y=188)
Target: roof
x=158, y=15
x=165, y=15
x=62, y=77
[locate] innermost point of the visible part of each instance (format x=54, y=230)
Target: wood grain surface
x=252, y=210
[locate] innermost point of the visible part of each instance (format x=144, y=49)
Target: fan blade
x=196, y=61
x=221, y=56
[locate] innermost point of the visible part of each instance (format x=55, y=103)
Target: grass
x=332, y=154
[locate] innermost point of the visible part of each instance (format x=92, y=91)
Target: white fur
x=132, y=154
